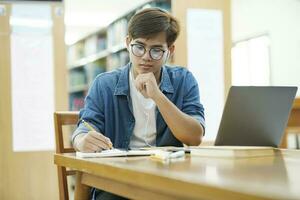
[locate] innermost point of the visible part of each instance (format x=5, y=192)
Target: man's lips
x=145, y=66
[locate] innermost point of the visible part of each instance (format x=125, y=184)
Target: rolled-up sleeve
x=191, y=100
x=93, y=111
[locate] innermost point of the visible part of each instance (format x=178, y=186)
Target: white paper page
x=116, y=153
x=205, y=61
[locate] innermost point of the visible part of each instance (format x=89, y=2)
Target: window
x=251, y=62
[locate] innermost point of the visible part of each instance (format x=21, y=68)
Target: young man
x=144, y=103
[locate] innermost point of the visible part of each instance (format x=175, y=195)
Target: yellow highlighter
x=92, y=129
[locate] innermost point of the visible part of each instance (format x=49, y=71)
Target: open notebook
x=116, y=153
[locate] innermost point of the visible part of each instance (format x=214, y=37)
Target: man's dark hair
x=151, y=21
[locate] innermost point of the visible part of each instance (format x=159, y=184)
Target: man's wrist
x=76, y=139
x=158, y=97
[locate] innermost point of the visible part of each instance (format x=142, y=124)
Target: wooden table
x=271, y=177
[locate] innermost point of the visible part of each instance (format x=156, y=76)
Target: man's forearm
x=184, y=127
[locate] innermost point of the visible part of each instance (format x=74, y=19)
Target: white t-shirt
x=144, y=131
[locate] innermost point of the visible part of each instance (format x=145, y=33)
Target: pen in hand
x=87, y=125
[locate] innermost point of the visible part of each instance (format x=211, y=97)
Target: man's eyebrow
x=156, y=45
x=137, y=41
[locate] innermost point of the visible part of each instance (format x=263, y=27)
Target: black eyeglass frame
x=145, y=50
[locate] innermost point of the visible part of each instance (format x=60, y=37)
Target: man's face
x=148, y=54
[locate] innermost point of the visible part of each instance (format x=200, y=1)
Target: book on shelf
x=77, y=77
x=90, y=45
x=116, y=32
x=76, y=51
x=93, y=69
x=116, y=153
x=76, y=101
x=232, y=151
x=101, y=43
x=116, y=60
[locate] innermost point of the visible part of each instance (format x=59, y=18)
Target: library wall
x=28, y=175
x=5, y=94
x=179, y=9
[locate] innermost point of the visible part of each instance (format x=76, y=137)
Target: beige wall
x=30, y=175
x=179, y=9
x=5, y=97
x=280, y=20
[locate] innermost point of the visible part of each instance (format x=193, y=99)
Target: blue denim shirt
x=108, y=106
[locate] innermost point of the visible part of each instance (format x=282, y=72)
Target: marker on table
x=92, y=129
x=177, y=154
x=166, y=155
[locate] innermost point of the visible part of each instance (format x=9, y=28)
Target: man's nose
x=147, y=56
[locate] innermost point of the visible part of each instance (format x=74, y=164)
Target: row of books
x=77, y=77
x=76, y=102
x=117, y=60
x=89, y=46
x=75, y=52
x=116, y=33
x=93, y=69
x=84, y=76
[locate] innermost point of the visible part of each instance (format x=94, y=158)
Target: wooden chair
x=61, y=119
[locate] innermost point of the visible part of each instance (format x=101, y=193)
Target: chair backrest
x=61, y=119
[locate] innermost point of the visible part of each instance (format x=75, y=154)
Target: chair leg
x=63, y=184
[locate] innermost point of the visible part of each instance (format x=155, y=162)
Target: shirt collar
x=122, y=87
x=165, y=83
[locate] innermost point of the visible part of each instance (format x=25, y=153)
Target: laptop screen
x=255, y=116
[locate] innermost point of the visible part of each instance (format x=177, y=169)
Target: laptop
x=255, y=116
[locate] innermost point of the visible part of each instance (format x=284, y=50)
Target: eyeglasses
x=139, y=50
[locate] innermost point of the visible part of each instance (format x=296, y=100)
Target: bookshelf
x=102, y=51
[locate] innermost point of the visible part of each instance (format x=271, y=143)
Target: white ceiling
x=85, y=16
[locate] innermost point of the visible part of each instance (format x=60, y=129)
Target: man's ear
x=171, y=50
x=128, y=40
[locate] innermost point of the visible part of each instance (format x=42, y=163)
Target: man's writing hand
x=91, y=142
